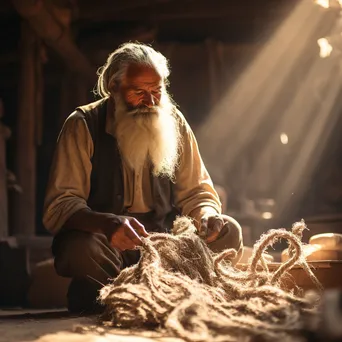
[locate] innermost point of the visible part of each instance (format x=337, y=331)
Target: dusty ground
x=58, y=326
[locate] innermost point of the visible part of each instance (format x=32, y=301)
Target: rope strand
x=182, y=287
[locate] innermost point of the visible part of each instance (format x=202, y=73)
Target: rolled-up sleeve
x=193, y=189
x=69, y=182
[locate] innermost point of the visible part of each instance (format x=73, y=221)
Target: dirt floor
x=59, y=326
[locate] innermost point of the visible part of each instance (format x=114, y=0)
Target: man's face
x=146, y=127
x=141, y=87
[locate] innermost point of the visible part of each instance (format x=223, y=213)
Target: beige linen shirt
x=69, y=183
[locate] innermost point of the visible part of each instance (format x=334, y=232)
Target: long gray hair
x=117, y=62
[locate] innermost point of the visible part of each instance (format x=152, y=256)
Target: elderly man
x=124, y=166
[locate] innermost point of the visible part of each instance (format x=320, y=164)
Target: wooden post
x=64, y=102
x=25, y=203
x=74, y=93
x=39, y=81
x=4, y=134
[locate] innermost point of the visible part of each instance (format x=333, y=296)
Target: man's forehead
x=140, y=75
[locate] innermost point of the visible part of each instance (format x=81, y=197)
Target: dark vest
x=107, y=189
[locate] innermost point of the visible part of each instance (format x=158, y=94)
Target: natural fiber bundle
x=181, y=286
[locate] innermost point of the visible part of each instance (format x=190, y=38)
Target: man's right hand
x=123, y=232
x=128, y=233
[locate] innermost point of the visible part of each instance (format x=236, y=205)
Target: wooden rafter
x=55, y=36
x=170, y=10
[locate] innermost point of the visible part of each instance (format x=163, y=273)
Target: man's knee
x=75, y=251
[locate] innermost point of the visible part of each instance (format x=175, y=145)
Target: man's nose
x=149, y=100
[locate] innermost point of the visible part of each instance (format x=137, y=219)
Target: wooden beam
x=56, y=36
x=39, y=99
x=90, y=10
x=171, y=10
x=4, y=135
x=25, y=203
x=110, y=39
x=73, y=93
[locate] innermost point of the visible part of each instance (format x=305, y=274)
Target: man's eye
x=139, y=92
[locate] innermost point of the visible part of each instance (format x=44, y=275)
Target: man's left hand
x=211, y=226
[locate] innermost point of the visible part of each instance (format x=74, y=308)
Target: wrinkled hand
x=127, y=232
x=211, y=226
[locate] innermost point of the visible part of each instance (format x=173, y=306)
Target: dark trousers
x=91, y=261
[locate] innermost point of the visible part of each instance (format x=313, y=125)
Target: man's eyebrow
x=134, y=88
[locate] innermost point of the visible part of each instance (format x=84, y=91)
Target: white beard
x=149, y=134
